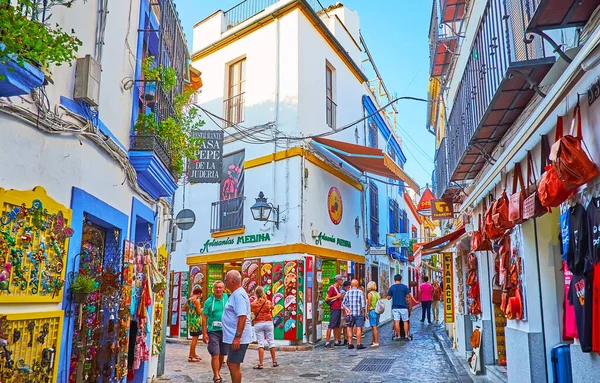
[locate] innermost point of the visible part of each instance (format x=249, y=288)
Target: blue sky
x=396, y=32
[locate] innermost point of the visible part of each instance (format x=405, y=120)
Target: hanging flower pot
x=150, y=92
x=79, y=297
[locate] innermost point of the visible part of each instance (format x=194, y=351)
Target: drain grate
x=374, y=365
x=309, y=375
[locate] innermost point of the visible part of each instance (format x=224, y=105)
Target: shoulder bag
x=478, y=240
x=491, y=231
x=571, y=163
x=552, y=191
x=532, y=207
x=515, y=203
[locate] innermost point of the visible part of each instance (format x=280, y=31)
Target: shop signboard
x=448, y=288
x=441, y=209
x=424, y=206
x=322, y=237
x=229, y=241
x=397, y=239
x=378, y=250
x=335, y=206
x=208, y=166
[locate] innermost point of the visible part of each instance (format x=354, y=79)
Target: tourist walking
x=193, y=307
x=436, y=296
x=237, y=326
x=372, y=299
x=425, y=298
x=355, y=306
x=263, y=326
x=334, y=300
x=400, y=296
x=343, y=324
x=212, y=329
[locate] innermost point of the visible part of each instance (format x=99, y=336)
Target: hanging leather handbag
x=496, y=291
x=571, y=163
x=515, y=203
x=491, y=231
x=478, y=240
x=472, y=261
x=532, y=207
x=552, y=191
x=471, y=277
x=500, y=214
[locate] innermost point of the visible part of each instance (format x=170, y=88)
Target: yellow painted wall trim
x=226, y=233
x=268, y=19
x=232, y=256
x=298, y=151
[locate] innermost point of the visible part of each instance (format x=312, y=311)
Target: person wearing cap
x=334, y=300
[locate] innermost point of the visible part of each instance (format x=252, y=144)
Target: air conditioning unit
x=87, y=81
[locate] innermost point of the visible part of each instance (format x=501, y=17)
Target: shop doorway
x=96, y=326
x=375, y=274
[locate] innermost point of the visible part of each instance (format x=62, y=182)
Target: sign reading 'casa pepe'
x=448, y=288
x=335, y=206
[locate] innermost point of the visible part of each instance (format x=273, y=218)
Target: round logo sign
x=334, y=205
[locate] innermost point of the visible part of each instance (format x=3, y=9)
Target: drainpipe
x=539, y=281
x=276, y=118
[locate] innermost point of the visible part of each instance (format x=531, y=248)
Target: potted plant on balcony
x=153, y=73
x=29, y=46
x=82, y=287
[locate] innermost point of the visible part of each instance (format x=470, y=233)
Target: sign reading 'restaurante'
x=207, y=167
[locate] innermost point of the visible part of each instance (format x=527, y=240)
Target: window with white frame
x=330, y=105
x=236, y=88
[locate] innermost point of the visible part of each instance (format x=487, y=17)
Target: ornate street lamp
x=261, y=210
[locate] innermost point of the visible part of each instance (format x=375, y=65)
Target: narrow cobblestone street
x=421, y=360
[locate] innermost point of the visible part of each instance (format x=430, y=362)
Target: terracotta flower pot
x=79, y=297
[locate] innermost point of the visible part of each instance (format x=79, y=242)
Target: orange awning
x=368, y=160
x=430, y=247
x=195, y=79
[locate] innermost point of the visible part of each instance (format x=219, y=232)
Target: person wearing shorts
x=355, y=305
x=263, y=326
x=237, y=326
x=399, y=294
x=343, y=324
x=372, y=299
x=212, y=329
x=334, y=297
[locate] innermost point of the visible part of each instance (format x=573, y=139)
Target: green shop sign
x=338, y=241
x=241, y=240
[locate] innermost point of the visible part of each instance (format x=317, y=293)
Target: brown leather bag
x=475, y=338
x=532, y=207
x=478, y=240
x=472, y=261
x=572, y=164
x=491, y=231
x=515, y=203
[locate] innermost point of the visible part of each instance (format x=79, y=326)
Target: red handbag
x=552, y=191
x=500, y=214
x=491, y=231
x=515, y=203
x=532, y=207
x=571, y=163
x=472, y=261
x=478, y=240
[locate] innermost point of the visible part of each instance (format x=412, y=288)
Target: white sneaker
x=375, y=345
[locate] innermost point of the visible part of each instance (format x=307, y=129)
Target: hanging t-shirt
x=565, y=227
x=578, y=241
x=596, y=309
x=569, y=323
x=580, y=296
x=593, y=221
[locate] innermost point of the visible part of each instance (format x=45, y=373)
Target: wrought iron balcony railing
x=441, y=170
x=248, y=8
x=227, y=214
x=495, y=88
x=153, y=144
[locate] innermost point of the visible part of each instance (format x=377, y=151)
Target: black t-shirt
x=578, y=241
x=580, y=296
x=593, y=221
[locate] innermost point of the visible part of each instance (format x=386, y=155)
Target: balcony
x=557, y=14
x=499, y=80
x=151, y=160
x=452, y=10
x=443, y=44
x=249, y=8
x=227, y=215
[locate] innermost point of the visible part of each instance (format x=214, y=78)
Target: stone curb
x=460, y=369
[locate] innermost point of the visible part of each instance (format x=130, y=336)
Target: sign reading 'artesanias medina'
x=241, y=240
x=338, y=241
x=208, y=166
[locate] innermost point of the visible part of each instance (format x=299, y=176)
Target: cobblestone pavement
x=421, y=360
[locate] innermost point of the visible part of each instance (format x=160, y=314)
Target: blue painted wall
x=102, y=214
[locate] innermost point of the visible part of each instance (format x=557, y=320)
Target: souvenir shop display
x=329, y=273
x=278, y=300
x=215, y=273
x=160, y=270
x=250, y=275
x=290, y=317
x=128, y=273
x=474, y=357
x=460, y=286
x=266, y=279
x=500, y=321
x=473, y=292
x=95, y=355
x=30, y=346
x=34, y=239
x=184, y=293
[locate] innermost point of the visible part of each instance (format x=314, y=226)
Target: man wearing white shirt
x=237, y=324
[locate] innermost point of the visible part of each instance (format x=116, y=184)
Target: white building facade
x=287, y=89
x=78, y=189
